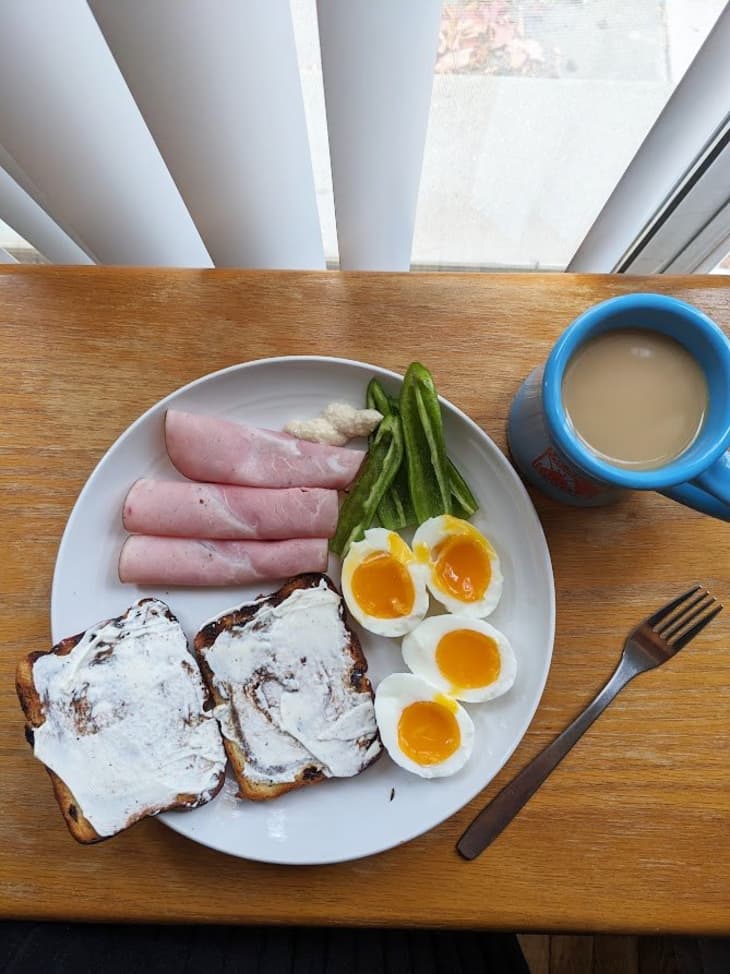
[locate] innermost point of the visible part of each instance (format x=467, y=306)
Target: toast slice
x=289, y=682
x=121, y=719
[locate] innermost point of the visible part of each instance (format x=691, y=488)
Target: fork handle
x=497, y=815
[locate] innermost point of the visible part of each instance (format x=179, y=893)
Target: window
x=538, y=107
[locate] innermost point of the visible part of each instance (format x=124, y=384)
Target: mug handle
x=716, y=479
x=709, y=493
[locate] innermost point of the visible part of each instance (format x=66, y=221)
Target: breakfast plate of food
x=303, y=610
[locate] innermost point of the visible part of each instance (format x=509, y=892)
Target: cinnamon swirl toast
x=119, y=716
x=289, y=682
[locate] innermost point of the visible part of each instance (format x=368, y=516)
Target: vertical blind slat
x=218, y=85
x=377, y=60
x=82, y=142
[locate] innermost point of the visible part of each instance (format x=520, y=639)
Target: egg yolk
x=382, y=586
x=468, y=659
x=462, y=568
x=428, y=732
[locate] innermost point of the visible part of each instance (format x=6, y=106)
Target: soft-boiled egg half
x=464, y=573
x=423, y=730
x=463, y=657
x=383, y=584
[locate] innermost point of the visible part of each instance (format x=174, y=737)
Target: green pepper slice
x=464, y=503
x=395, y=511
x=423, y=436
x=376, y=474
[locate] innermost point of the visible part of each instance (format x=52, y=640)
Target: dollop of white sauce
x=284, y=677
x=338, y=423
x=124, y=723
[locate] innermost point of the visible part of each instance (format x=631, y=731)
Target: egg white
x=382, y=540
x=419, y=652
x=426, y=541
x=393, y=695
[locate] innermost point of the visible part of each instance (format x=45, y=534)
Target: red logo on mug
x=553, y=468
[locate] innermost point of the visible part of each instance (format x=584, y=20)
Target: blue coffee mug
x=549, y=454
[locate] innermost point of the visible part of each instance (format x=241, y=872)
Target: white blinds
x=74, y=130
x=173, y=133
x=377, y=61
x=218, y=84
x=5, y=257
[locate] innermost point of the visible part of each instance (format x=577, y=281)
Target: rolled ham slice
x=148, y=560
x=187, y=510
x=218, y=451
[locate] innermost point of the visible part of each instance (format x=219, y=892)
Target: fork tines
x=671, y=622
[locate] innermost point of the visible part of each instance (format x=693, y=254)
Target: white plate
x=346, y=818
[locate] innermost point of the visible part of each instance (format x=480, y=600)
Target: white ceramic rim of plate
x=173, y=821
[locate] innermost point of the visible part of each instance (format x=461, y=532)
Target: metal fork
x=651, y=643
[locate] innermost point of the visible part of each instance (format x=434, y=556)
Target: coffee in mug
x=635, y=397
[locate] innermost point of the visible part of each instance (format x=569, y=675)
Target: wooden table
x=632, y=833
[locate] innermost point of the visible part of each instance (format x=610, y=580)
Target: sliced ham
x=182, y=561
x=188, y=510
x=219, y=451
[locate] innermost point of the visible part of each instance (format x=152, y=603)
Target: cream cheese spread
x=285, y=678
x=124, y=722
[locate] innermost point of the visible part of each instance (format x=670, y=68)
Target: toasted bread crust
x=255, y=790
x=78, y=825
